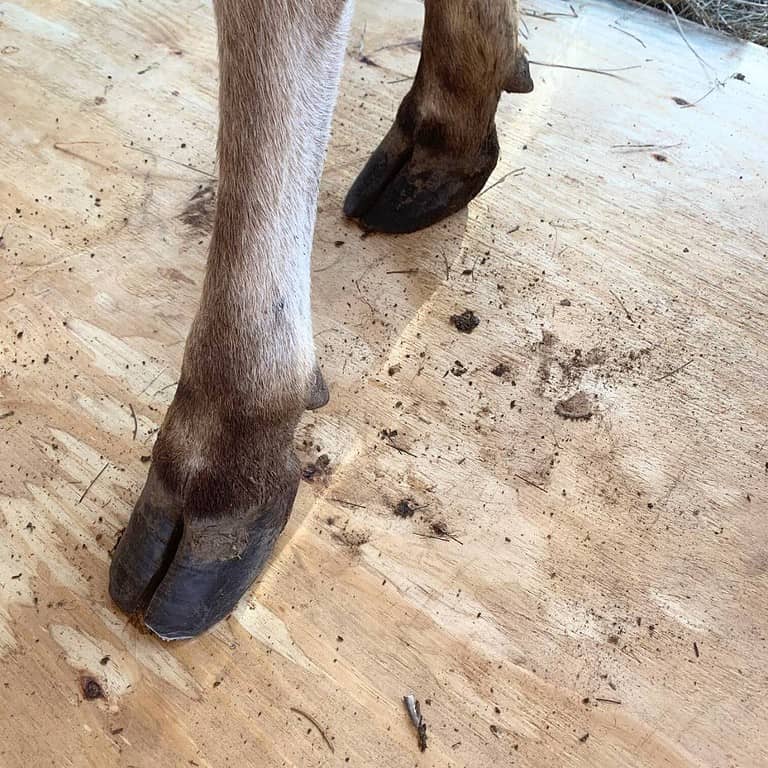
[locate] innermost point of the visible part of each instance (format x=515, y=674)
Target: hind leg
x=442, y=146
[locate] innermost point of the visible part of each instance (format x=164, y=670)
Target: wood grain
x=569, y=592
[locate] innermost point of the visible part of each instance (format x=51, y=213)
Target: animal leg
x=224, y=474
x=442, y=146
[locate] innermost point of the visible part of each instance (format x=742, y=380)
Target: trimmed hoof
x=178, y=574
x=408, y=185
x=519, y=80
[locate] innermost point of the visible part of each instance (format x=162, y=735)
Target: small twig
x=629, y=34
x=6, y=415
x=708, y=69
x=554, y=246
x=347, y=503
x=718, y=84
x=608, y=701
x=440, y=529
x=621, y=303
x=361, y=43
x=415, y=43
x=402, y=272
x=549, y=15
x=414, y=712
x=677, y=370
x=162, y=371
x=90, y=485
x=61, y=146
x=167, y=386
x=444, y=537
x=399, y=449
x=447, y=268
x=365, y=300
x=552, y=14
x=531, y=483
x=400, y=80
x=316, y=724
x=542, y=16
x=12, y=293
x=430, y=536
x=169, y=160
x=641, y=147
x=701, y=98
x=516, y=172
x=135, y=421
x=606, y=72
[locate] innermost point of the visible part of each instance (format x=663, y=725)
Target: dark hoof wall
x=178, y=576
x=520, y=80
x=403, y=189
x=197, y=593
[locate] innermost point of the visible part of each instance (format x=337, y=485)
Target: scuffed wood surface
x=600, y=599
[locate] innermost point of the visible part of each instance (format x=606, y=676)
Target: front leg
x=224, y=474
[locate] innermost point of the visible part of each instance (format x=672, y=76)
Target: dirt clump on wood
x=91, y=688
x=351, y=539
x=577, y=407
x=466, y=322
x=317, y=470
x=406, y=508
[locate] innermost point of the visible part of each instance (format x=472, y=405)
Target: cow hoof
x=178, y=573
x=436, y=157
x=442, y=146
x=410, y=183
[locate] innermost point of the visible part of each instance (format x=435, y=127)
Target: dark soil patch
x=466, y=322
x=91, y=688
x=406, y=508
x=351, y=539
x=577, y=407
x=317, y=470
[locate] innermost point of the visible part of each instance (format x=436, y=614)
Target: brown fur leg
x=224, y=474
x=442, y=147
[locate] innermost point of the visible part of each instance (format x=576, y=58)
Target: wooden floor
x=588, y=592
